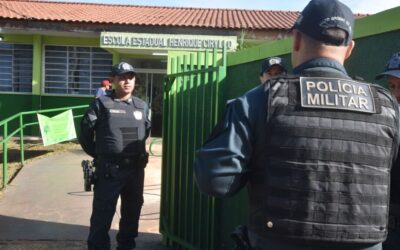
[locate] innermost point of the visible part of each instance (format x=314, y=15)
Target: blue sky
x=358, y=6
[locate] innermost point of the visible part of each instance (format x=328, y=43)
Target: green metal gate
x=193, y=93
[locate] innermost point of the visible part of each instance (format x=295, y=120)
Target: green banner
x=58, y=128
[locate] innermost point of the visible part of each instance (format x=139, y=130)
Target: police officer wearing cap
x=113, y=131
x=314, y=148
x=392, y=74
x=270, y=67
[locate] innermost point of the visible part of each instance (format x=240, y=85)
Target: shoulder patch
x=334, y=93
x=138, y=115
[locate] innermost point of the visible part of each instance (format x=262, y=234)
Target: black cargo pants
x=114, y=180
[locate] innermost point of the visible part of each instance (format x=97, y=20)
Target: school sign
x=166, y=41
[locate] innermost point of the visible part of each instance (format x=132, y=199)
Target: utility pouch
x=89, y=174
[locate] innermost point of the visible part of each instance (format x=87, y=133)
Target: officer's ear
x=296, y=40
x=350, y=48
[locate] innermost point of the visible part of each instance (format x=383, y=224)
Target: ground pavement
x=46, y=208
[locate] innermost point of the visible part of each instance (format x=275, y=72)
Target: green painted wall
x=11, y=104
x=371, y=54
x=64, y=101
x=72, y=41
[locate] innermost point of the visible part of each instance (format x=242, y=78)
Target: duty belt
x=120, y=160
x=124, y=160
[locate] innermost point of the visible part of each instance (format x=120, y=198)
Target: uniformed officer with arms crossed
x=272, y=66
x=113, y=131
x=392, y=74
x=315, y=149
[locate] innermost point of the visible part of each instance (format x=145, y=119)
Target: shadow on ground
x=14, y=155
x=49, y=235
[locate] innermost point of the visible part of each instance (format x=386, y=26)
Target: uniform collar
x=128, y=101
x=329, y=64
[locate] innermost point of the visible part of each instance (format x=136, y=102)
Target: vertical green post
x=21, y=138
x=164, y=182
x=183, y=153
x=37, y=73
x=207, y=88
x=224, y=62
x=173, y=145
x=37, y=65
x=215, y=92
x=116, y=57
x=207, y=105
x=201, y=97
x=199, y=138
x=215, y=87
x=166, y=187
x=5, y=168
x=168, y=143
x=220, y=77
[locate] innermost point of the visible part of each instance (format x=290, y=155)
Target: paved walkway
x=45, y=206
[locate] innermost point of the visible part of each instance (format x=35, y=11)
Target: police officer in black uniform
x=314, y=148
x=113, y=131
x=272, y=66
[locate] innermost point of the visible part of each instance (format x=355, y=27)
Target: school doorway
x=149, y=87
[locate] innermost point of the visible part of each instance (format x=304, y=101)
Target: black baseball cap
x=122, y=68
x=320, y=15
x=271, y=61
x=392, y=68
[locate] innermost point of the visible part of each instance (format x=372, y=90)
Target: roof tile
x=146, y=15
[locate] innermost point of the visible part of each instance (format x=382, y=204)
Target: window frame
x=67, y=84
x=13, y=83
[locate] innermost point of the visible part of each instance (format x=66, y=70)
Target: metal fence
x=18, y=123
x=192, y=104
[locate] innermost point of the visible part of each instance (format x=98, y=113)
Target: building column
x=37, y=72
x=116, y=57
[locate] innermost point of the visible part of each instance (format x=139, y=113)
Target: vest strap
x=327, y=155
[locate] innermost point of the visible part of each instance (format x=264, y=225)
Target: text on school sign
x=166, y=41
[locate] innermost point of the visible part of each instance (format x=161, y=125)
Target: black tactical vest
x=121, y=129
x=329, y=149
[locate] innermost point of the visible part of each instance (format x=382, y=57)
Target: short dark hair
x=334, y=36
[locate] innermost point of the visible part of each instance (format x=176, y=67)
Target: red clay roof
x=146, y=15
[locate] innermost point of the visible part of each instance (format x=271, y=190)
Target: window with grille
x=16, y=67
x=75, y=70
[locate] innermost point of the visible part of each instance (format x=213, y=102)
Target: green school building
x=55, y=54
